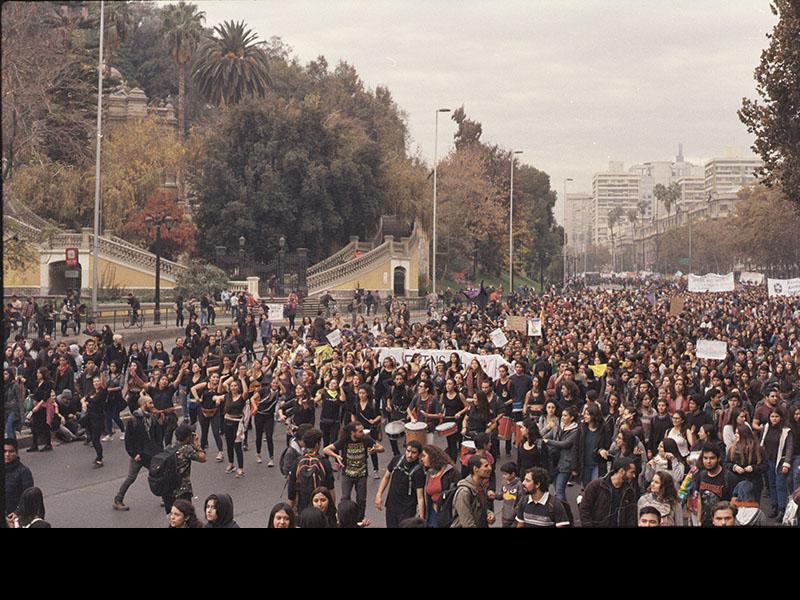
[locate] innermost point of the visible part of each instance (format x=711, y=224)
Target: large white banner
x=275, y=311
x=783, y=287
x=711, y=283
x=490, y=362
x=712, y=349
x=751, y=278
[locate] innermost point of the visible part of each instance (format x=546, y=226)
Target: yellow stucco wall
x=373, y=280
x=26, y=276
x=113, y=275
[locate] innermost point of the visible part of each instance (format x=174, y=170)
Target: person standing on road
x=142, y=442
x=18, y=477
x=94, y=408
x=611, y=500
x=188, y=450
x=351, y=452
x=470, y=503
x=405, y=479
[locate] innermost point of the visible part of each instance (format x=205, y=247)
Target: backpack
x=444, y=518
x=288, y=461
x=163, y=474
x=309, y=475
x=551, y=507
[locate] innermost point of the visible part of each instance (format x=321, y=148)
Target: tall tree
x=775, y=120
x=182, y=28
x=231, y=65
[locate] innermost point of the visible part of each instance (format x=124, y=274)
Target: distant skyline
x=574, y=84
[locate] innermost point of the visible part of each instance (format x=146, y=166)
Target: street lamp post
x=564, y=247
x=511, y=228
x=95, y=240
x=435, y=169
x=156, y=221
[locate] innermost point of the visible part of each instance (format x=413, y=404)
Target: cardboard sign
x=711, y=283
x=534, y=328
x=712, y=349
x=676, y=306
x=783, y=287
x=275, y=311
x=334, y=337
x=517, y=324
x=749, y=278
x=498, y=338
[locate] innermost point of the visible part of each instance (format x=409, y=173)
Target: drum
x=467, y=448
x=395, y=430
x=505, y=428
x=416, y=431
x=447, y=429
x=520, y=433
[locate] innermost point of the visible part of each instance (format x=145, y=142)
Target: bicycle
x=132, y=320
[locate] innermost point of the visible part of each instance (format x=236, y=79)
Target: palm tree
x=642, y=206
x=182, y=29
x=231, y=65
x=614, y=216
x=633, y=214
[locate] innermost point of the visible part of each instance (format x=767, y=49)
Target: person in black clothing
x=179, y=311
x=143, y=440
x=39, y=427
x=249, y=335
x=611, y=500
x=332, y=401
x=165, y=410
x=405, y=479
x=18, y=477
x=30, y=512
x=397, y=405
x=311, y=471
x=266, y=406
x=218, y=509
x=713, y=484
x=94, y=407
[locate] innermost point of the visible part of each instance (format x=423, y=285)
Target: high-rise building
x=665, y=173
x=615, y=188
x=579, y=215
x=729, y=175
x=692, y=192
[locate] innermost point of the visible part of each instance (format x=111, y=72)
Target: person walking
x=405, y=480
x=470, y=503
x=18, y=477
x=187, y=451
x=143, y=441
x=611, y=500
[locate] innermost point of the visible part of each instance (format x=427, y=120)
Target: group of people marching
x=611, y=399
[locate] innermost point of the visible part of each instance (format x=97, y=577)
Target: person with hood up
x=749, y=513
x=219, y=512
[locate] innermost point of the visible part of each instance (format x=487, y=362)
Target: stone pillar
x=302, y=266
x=252, y=286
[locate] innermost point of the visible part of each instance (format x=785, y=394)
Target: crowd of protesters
x=611, y=399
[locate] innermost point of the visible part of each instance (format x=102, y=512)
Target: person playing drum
x=425, y=407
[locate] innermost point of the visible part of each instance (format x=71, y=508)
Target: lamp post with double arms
x=155, y=222
x=564, y=247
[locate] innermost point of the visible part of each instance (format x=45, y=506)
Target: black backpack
x=551, y=507
x=444, y=517
x=163, y=475
x=288, y=461
x=309, y=475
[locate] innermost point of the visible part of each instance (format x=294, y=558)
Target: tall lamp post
x=155, y=222
x=511, y=227
x=95, y=240
x=564, y=247
x=435, y=169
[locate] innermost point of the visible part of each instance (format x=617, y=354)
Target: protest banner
x=711, y=283
x=712, y=349
x=749, y=278
x=534, y=327
x=783, y=287
x=323, y=353
x=598, y=370
x=275, y=311
x=490, y=363
x=334, y=337
x=517, y=324
x=498, y=338
x=676, y=305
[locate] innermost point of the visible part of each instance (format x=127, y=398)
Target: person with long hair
x=663, y=496
x=282, y=516
x=183, y=516
x=265, y=410
x=94, y=409
x=455, y=407
x=794, y=425
x=777, y=443
x=235, y=401
x=322, y=500
x=667, y=459
x=366, y=413
x=739, y=417
x=592, y=437
x=745, y=459
x=41, y=398
x=567, y=445
x=479, y=415
x=30, y=510
x=441, y=477
x=218, y=509
x=532, y=452
x=679, y=432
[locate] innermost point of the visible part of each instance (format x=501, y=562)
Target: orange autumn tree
x=174, y=242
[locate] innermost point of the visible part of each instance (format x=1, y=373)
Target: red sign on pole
x=72, y=257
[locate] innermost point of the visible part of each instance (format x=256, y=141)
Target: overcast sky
x=572, y=83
